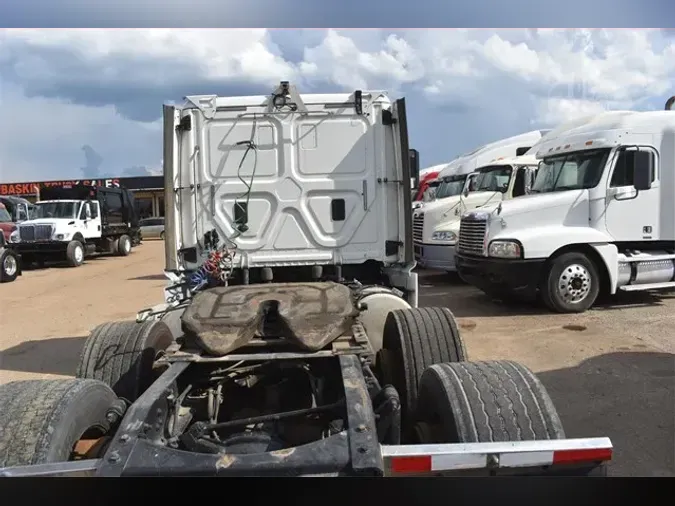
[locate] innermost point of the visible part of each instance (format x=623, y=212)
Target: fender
x=610, y=256
x=541, y=242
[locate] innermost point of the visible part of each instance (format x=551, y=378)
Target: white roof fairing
x=607, y=129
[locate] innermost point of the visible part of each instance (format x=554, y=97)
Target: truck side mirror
x=643, y=168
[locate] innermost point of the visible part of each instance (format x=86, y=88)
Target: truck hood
x=450, y=219
x=530, y=214
x=538, y=202
x=439, y=206
x=57, y=222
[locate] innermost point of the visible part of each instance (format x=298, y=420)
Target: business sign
x=132, y=183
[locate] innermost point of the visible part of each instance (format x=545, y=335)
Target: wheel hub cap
x=79, y=254
x=574, y=283
x=9, y=265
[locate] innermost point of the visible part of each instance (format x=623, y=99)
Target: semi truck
x=72, y=222
x=434, y=241
x=289, y=342
x=600, y=218
x=427, y=179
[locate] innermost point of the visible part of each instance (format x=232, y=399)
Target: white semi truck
x=433, y=223
x=600, y=217
x=289, y=343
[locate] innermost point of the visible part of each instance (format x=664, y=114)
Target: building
x=148, y=190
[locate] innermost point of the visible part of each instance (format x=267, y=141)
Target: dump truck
x=72, y=222
x=290, y=341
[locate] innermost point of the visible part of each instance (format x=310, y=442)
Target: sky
x=87, y=102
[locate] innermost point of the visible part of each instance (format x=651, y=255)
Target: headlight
x=505, y=249
x=444, y=236
x=14, y=236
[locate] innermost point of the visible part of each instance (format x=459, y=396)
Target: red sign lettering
x=33, y=188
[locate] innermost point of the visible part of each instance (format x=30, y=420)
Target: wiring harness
x=216, y=269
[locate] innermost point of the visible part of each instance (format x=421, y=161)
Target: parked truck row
x=587, y=210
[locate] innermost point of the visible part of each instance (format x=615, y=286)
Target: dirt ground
x=610, y=371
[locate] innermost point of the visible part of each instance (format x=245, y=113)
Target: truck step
x=646, y=258
x=649, y=286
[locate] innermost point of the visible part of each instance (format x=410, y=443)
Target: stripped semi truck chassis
x=294, y=354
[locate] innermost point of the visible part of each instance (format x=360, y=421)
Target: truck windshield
x=495, y=179
x=5, y=217
x=573, y=171
x=450, y=187
x=56, y=209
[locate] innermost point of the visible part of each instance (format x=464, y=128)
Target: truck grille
x=418, y=226
x=35, y=232
x=472, y=235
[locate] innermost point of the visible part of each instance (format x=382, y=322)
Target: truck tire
x=571, y=283
x=480, y=402
x=161, y=236
x=124, y=245
x=121, y=354
x=42, y=420
x=9, y=266
x=75, y=253
x=415, y=339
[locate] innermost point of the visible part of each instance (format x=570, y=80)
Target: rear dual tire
x=41, y=421
x=446, y=399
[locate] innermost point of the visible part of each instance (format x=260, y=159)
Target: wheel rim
x=126, y=245
x=9, y=265
x=574, y=283
x=78, y=254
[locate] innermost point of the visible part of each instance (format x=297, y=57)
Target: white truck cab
x=73, y=222
x=302, y=187
x=600, y=216
x=474, y=180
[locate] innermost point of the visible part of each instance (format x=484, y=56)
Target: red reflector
x=569, y=456
x=419, y=464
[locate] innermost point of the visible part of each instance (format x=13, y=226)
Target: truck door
x=91, y=220
x=631, y=215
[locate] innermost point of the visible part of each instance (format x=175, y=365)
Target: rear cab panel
x=324, y=185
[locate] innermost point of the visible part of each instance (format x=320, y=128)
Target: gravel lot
x=610, y=372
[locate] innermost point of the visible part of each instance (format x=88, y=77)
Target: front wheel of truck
x=9, y=265
x=571, y=283
x=75, y=253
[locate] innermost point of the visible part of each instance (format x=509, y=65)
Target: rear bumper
x=517, y=276
x=435, y=256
